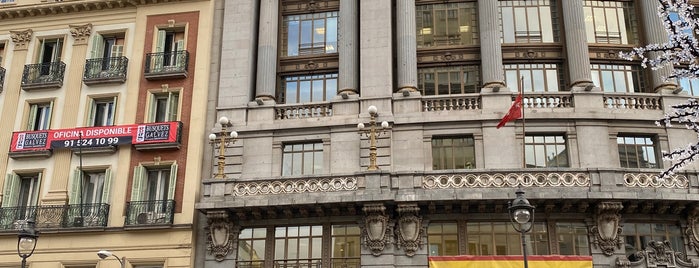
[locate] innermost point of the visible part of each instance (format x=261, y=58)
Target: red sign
x=166, y=132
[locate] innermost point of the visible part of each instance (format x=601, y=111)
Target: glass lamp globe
x=26, y=245
x=212, y=137
x=522, y=216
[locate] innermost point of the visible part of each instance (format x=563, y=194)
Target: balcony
x=166, y=65
x=2, y=78
x=144, y=213
x=43, y=75
x=105, y=70
x=55, y=217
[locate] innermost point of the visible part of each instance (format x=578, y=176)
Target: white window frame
x=39, y=117
x=172, y=106
x=107, y=119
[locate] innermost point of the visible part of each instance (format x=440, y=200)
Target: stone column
x=348, y=46
x=58, y=193
x=576, y=44
x=267, y=50
x=491, y=51
x=655, y=34
x=406, y=45
x=11, y=106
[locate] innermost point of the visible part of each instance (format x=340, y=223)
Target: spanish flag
x=536, y=261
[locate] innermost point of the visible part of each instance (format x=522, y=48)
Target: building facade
x=301, y=186
x=102, y=129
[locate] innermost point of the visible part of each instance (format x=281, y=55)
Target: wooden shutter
x=173, y=181
x=152, y=107
x=112, y=110
x=38, y=190
x=179, y=54
x=139, y=183
x=50, y=114
x=91, y=112
x=31, y=119
x=97, y=46
x=9, y=197
x=173, y=105
x=107, y=185
x=75, y=188
x=56, y=53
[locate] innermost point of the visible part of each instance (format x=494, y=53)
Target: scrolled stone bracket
x=377, y=228
x=220, y=234
x=410, y=230
x=692, y=231
x=607, y=230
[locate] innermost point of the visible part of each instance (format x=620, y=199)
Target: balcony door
x=50, y=53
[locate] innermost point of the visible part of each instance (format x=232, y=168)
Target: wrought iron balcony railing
x=162, y=65
x=105, y=70
x=55, y=217
x=2, y=78
x=150, y=212
x=43, y=75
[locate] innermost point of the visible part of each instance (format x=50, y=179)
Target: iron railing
x=250, y=264
x=165, y=64
x=150, y=212
x=105, y=70
x=48, y=217
x=43, y=75
x=298, y=263
x=335, y=263
x=2, y=78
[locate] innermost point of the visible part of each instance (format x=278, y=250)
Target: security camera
x=103, y=254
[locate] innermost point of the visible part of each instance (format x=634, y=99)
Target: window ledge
x=158, y=146
x=31, y=154
x=95, y=150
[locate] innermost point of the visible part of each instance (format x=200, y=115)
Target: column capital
x=81, y=33
x=21, y=38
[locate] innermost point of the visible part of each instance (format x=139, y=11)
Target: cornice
x=67, y=7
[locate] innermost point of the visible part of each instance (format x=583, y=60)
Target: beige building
x=302, y=187
x=101, y=129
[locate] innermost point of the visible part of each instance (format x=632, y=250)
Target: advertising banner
x=548, y=261
x=86, y=137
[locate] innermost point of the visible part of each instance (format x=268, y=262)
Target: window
x=309, y=34
x=169, y=42
x=102, y=112
x=50, y=50
x=528, y=21
x=251, y=247
x=637, y=152
x=449, y=80
x=164, y=107
x=691, y=86
x=302, y=159
x=610, y=22
x=39, y=116
x=617, y=78
x=572, y=238
x=92, y=189
x=107, y=45
x=499, y=238
x=537, y=77
x=6, y=1
x=21, y=193
x=453, y=153
x=2, y=54
x=450, y=24
x=155, y=183
x=298, y=246
x=637, y=236
x=345, y=246
x=442, y=239
x=545, y=151
x=309, y=88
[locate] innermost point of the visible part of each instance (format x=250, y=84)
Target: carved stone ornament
x=219, y=234
x=692, y=231
x=409, y=231
x=21, y=38
x=81, y=33
x=656, y=254
x=376, y=232
x=607, y=230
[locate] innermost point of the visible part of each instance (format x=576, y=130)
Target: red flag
x=514, y=113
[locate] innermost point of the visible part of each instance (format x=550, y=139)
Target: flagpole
x=520, y=90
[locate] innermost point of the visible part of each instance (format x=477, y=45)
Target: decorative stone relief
x=644, y=180
x=607, y=229
x=294, y=186
x=219, y=234
x=474, y=180
x=81, y=33
x=692, y=231
x=410, y=230
x=377, y=229
x=656, y=254
x=21, y=38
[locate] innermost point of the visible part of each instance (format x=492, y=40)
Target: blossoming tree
x=681, y=51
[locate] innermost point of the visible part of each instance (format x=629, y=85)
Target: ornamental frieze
x=505, y=180
x=644, y=180
x=294, y=186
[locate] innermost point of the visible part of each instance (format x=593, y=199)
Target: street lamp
x=522, y=217
x=372, y=133
x=26, y=241
x=103, y=254
x=220, y=140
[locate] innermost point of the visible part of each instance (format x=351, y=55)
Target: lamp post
x=26, y=241
x=219, y=140
x=103, y=254
x=372, y=133
x=522, y=217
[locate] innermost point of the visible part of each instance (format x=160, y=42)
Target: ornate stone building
x=101, y=138
x=301, y=186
